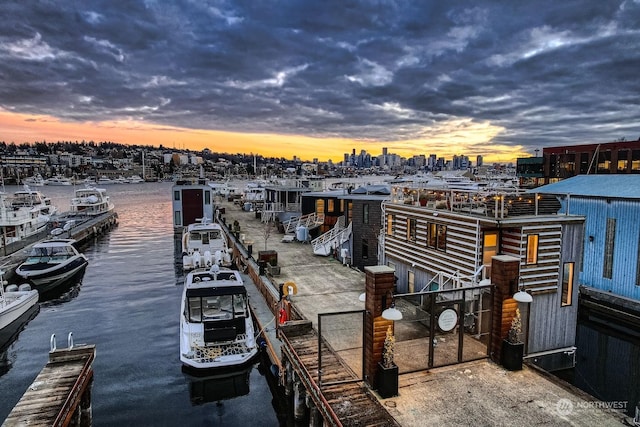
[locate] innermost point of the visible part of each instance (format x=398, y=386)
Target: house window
x=176, y=218
x=390, y=220
x=365, y=249
x=176, y=195
x=330, y=205
x=432, y=234
x=608, y=248
x=532, y=249
x=365, y=214
x=320, y=206
x=349, y=211
x=623, y=156
x=341, y=206
x=207, y=197
x=411, y=229
x=442, y=237
x=567, y=284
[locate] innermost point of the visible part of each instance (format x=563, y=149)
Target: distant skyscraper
x=479, y=161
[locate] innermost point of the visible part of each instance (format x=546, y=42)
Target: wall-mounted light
x=522, y=295
x=391, y=313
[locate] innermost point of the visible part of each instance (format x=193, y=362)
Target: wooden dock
x=61, y=394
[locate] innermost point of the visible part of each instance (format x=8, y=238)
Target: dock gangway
x=324, y=244
x=310, y=221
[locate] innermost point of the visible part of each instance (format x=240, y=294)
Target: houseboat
x=203, y=244
x=192, y=199
x=216, y=326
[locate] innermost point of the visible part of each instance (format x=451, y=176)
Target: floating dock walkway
x=61, y=394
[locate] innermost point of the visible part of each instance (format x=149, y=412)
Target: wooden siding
x=462, y=252
x=626, y=251
x=553, y=326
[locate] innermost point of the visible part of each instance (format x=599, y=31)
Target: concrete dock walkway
x=471, y=393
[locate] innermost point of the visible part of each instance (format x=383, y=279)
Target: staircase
x=310, y=221
x=322, y=245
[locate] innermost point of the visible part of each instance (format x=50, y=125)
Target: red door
x=192, y=206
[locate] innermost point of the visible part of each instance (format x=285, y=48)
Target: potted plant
x=423, y=199
x=513, y=346
x=387, y=376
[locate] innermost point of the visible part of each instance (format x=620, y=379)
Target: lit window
x=319, y=206
x=608, y=248
x=411, y=229
x=330, y=205
x=567, y=284
x=442, y=237
x=432, y=235
x=390, y=220
x=532, y=249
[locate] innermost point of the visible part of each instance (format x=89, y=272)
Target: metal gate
x=341, y=347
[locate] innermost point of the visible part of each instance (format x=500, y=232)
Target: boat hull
x=18, y=303
x=49, y=277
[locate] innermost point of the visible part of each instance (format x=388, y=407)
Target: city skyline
x=316, y=79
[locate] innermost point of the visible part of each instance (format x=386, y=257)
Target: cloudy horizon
x=315, y=78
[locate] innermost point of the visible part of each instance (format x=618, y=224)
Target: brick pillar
x=379, y=282
x=505, y=271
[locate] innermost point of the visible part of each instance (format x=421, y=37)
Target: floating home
x=447, y=239
x=192, y=200
x=610, y=204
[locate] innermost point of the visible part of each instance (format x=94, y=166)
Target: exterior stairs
x=310, y=221
x=324, y=244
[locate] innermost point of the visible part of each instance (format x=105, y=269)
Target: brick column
x=379, y=282
x=505, y=271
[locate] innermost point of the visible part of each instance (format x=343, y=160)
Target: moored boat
x=23, y=214
x=52, y=263
x=58, y=180
x=35, y=181
x=91, y=201
x=216, y=326
x=204, y=244
x=14, y=302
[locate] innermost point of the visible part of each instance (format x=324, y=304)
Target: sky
x=319, y=78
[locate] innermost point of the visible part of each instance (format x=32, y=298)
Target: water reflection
x=9, y=334
x=222, y=385
x=64, y=292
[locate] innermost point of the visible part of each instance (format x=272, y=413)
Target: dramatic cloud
x=480, y=77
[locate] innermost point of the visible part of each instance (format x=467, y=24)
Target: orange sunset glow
x=445, y=140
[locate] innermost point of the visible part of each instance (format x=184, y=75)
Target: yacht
x=216, y=327
x=91, y=201
x=204, y=244
x=34, y=181
x=58, y=180
x=121, y=180
x=52, y=263
x=23, y=214
x=104, y=180
x=135, y=179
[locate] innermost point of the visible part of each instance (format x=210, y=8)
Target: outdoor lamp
x=391, y=313
x=522, y=296
x=363, y=297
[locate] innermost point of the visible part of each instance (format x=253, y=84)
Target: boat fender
x=196, y=259
x=11, y=288
x=282, y=318
x=25, y=287
x=218, y=257
x=207, y=259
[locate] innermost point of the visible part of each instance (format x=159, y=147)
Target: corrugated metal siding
x=627, y=238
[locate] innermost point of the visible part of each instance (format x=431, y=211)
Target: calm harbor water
x=128, y=306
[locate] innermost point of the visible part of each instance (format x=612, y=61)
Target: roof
x=616, y=185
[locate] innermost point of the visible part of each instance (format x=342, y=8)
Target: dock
x=84, y=230
x=326, y=377
x=61, y=393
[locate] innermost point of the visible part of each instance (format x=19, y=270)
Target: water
x=128, y=306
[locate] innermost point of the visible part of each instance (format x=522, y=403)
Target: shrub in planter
x=513, y=346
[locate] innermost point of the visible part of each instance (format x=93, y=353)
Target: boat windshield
x=49, y=254
x=217, y=307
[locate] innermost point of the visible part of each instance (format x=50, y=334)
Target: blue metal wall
x=627, y=235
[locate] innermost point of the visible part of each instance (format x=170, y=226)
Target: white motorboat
x=58, y=180
x=14, y=302
x=254, y=192
x=51, y=263
x=34, y=181
x=203, y=245
x=91, y=201
x=104, y=180
x=23, y=213
x=135, y=179
x=216, y=326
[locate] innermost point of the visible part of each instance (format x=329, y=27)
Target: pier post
x=299, y=401
x=86, y=413
x=379, y=282
x=315, y=419
x=288, y=389
x=505, y=271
